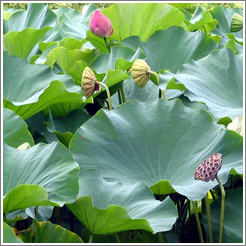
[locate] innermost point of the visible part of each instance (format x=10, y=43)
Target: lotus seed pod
x=89, y=82
x=209, y=168
x=140, y=72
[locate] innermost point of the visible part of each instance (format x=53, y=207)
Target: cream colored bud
x=140, y=72
x=89, y=82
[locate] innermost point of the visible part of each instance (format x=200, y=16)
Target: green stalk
x=222, y=212
x=119, y=97
x=90, y=238
x=108, y=94
x=160, y=238
x=199, y=228
x=122, y=94
x=163, y=95
x=210, y=231
x=117, y=238
x=106, y=43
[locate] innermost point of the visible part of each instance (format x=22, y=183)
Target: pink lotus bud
x=100, y=25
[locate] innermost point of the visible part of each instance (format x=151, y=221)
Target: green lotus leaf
x=71, y=61
x=224, y=17
x=74, y=24
x=176, y=48
x=41, y=213
x=108, y=61
x=107, y=207
x=65, y=127
x=20, y=44
x=36, y=16
x=233, y=220
x=47, y=166
x=15, y=130
x=149, y=92
x=9, y=235
x=7, y=13
x=97, y=42
x=216, y=80
x=24, y=196
x=201, y=20
x=159, y=143
x=28, y=93
x=46, y=232
x=142, y=19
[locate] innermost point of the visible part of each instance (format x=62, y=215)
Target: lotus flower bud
x=209, y=168
x=89, y=82
x=100, y=25
x=236, y=23
x=140, y=72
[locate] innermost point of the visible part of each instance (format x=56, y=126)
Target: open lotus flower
x=100, y=25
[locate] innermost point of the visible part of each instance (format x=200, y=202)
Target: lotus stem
x=106, y=43
x=199, y=228
x=117, y=238
x=108, y=94
x=222, y=208
x=210, y=231
x=163, y=95
x=122, y=94
x=90, y=238
x=119, y=97
x=160, y=238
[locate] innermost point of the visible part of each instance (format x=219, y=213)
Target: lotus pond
x=123, y=124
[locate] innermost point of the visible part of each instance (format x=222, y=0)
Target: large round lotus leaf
x=50, y=166
x=216, y=80
x=170, y=49
x=9, y=235
x=142, y=19
x=15, y=130
x=46, y=232
x=115, y=206
x=29, y=89
x=159, y=143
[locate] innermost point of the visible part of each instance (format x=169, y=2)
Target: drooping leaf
x=15, y=130
x=142, y=19
x=170, y=49
x=28, y=93
x=46, y=232
x=49, y=167
x=158, y=143
x=9, y=235
x=216, y=80
x=24, y=196
x=107, y=207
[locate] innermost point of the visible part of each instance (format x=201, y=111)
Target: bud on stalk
x=141, y=72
